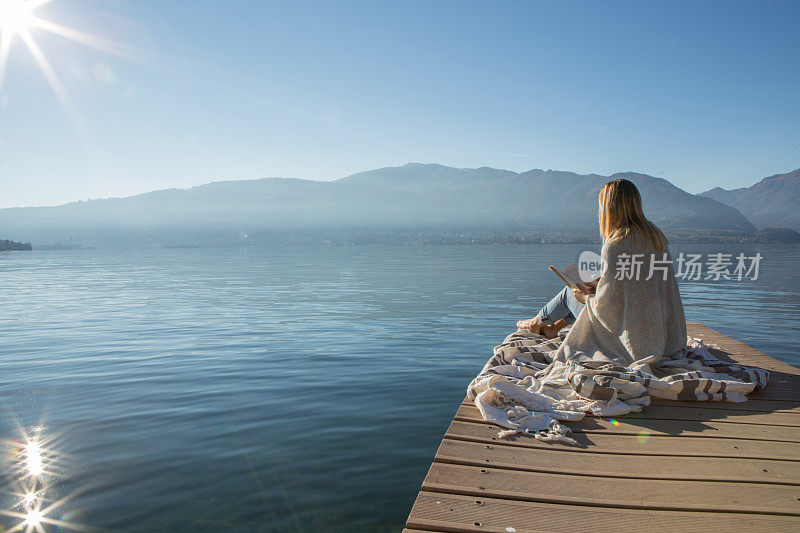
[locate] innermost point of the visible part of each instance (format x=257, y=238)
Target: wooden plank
x=612, y=443
x=749, y=357
x=728, y=352
x=776, y=390
x=760, y=406
x=554, y=461
x=702, y=411
x=737, y=350
x=455, y=513
x=613, y=492
x=644, y=427
x=665, y=412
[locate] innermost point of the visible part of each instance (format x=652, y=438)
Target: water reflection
x=32, y=467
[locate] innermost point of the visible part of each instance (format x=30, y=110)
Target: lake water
x=287, y=388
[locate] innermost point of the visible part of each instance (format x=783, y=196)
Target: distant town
x=399, y=237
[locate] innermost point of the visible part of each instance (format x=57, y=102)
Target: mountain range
x=773, y=202
x=413, y=198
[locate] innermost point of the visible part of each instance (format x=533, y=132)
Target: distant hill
x=778, y=235
x=413, y=197
x=772, y=202
x=11, y=246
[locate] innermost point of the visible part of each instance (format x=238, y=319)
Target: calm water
x=299, y=389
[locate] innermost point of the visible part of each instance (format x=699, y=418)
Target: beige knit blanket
x=523, y=389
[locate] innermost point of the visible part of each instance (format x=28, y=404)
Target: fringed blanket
x=521, y=388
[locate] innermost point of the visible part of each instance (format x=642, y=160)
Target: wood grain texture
x=455, y=513
x=620, y=465
x=630, y=493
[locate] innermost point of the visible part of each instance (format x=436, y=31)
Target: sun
x=19, y=21
x=15, y=15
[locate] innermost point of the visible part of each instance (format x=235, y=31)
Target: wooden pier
x=702, y=466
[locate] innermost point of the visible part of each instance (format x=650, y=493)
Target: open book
x=571, y=276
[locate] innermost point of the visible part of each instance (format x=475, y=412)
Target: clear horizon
x=702, y=94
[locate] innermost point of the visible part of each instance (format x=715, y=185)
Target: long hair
x=621, y=215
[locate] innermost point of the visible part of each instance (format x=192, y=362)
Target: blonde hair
x=621, y=215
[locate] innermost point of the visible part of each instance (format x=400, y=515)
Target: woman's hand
x=579, y=295
x=591, y=287
x=585, y=289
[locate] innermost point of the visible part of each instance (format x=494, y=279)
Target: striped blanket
x=522, y=389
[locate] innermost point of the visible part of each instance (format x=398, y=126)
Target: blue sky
x=701, y=93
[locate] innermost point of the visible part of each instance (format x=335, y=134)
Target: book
x=571, y=277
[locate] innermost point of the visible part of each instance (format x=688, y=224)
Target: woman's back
x=636, y=316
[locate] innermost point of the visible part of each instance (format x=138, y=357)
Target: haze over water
x=296, y=388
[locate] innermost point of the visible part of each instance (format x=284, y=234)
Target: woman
x=633, y=313
x=627, y=343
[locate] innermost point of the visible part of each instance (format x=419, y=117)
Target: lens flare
x=33, y=518
x=33, y=471
x=614, y=422
x=33, y=459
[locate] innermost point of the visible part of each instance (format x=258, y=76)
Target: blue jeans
x=563, y=305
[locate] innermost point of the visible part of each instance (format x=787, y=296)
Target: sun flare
x=19, y=20
x=15, y=15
